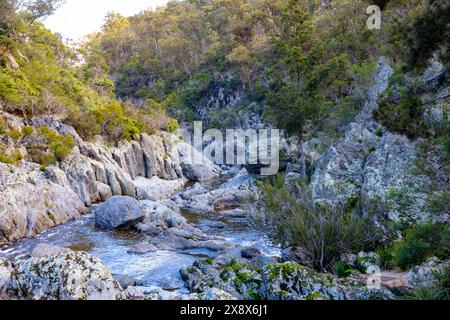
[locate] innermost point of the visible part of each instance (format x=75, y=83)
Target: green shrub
x=404, y=116
x=420, y=243
x=6, y=159
x=386, y=258
x=372, y=149
x=172, y=125
x=292, y=218
x=27, y=131
x=60, y=145
x=57, y=147
x=379, y=132
x=342, y=270
x=14, y=134
x=13, y=159
x=9, y=89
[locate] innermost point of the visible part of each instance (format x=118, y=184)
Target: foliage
x=342, y=270
x=172, y=125
x=40, y=75
x=325, y=232
x=420, y=243
x=60, y=145
x=423, y=33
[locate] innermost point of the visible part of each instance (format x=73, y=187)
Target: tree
x=39, y=9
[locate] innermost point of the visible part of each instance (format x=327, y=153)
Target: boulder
x=71, y=276
x=118, y=212
x=200, y=172
x=423, y=276
x=159, y=215
x=125, y=281
x=250, y=253
x=44, y=250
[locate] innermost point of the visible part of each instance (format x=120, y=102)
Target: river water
x=158, y=269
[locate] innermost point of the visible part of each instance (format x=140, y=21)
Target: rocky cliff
x=371, y=164
x=36, y=198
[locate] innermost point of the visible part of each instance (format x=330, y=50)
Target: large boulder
x=71, y=276
x=118, y=212
x=200, y=172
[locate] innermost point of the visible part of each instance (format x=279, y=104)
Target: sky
x=77, y=18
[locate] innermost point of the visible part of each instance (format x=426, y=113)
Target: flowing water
x=156, y=269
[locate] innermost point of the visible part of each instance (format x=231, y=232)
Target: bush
x=386, y=258
x=27, y=131
x=14, y=134
x=420, y=243
x=342, y=270
x=5, y=159
x=292, y=218
x=172, y=125
x=57, y=147
x=13, y=159
x=404, y=116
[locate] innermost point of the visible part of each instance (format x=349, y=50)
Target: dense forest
x=303, y=66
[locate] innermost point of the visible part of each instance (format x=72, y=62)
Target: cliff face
x=372, y=164
x=33, y=200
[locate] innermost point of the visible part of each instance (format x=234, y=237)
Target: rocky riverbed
x=148, y=256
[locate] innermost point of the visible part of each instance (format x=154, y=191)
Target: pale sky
x=77, y=18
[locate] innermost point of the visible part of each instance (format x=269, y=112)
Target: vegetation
x=325, y=232
x=40, y=75
x=420, y=243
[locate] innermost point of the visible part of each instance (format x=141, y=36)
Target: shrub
x=57, y=147
x=60, y=145
x=172, y=125
x=386, y=258
x=14, y=134
x=292, y=218
x=27, y=131
x=420, y=243
x=12, y=159
x=5, y=159
x=403, y=116
x=342, y=270
x=379, y=132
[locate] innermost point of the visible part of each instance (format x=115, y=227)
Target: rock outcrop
x=372, y=164
x=31, y=204
x=149, y=168
x=6, y=275
x=279, y=281
x=67, y=276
